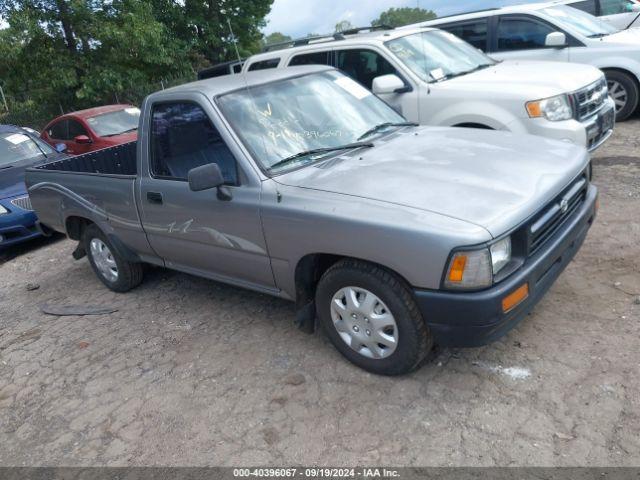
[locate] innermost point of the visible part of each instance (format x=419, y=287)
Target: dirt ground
x=191, y=372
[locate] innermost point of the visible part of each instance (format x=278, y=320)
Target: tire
x=406, y=344
x=623, y=88
x=116, y=273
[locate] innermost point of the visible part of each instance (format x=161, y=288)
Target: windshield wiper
x=382, y=126
x=120, y=133
x=465, y=72
x=316, y=151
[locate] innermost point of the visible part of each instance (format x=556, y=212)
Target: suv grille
x=23, y=202
x=590, y=99
x=554, y=215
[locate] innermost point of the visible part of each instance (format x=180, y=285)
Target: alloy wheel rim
x=364, y=322
x=618, y=93
x=103, y=259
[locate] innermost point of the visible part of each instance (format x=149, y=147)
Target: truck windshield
x=15, y=147
x=115, y=123
x=436, y=56
x=285, y=123
x=582, y=22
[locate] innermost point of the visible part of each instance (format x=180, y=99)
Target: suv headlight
x=475, y=269
x=3, y=210
x=554, y=109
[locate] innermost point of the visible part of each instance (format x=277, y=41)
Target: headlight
x=474, y=269
x=554, y=109
x=3, y=210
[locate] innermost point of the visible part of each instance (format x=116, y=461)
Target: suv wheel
x=370, y=316
x=624, y=91
x=112, y=270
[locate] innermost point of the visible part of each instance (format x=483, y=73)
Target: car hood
x=532, y=80
x=630, y=36
x=12, y=178
x=492, y=179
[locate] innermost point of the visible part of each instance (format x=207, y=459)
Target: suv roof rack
x=319, y=38
x=469, y=13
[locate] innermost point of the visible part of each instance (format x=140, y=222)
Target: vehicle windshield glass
x=326, y=110
x=436, y=55
x=582, y=22
x=15, y=147
x=115, y=123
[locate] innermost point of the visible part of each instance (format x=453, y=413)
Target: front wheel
x=114, y=271
x=623, y=89
x=370, y=316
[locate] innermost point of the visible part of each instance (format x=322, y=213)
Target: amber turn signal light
x=456, y=273
x=514, y=299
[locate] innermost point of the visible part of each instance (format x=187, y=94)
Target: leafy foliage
x=343, y=26
x=276, y=37
x=62, y=55
x=398, y=17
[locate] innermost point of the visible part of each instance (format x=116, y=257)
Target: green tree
x=276, y=37
x=343, y=26
x=398, y=17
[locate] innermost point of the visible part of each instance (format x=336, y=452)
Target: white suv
x=555, y=32
x=433, y=78
x=620, y=14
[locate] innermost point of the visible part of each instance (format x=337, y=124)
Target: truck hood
x=533, y=80
x=492, y=179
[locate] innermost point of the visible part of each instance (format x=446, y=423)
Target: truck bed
x=97, y=186
x=118, y=160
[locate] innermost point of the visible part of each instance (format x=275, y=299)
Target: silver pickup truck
x=301, y=184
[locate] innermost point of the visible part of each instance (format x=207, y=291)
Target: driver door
x=199, y=232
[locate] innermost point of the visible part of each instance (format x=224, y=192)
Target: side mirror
x=206, y=177
x=60, y=147
x=389, y=84
x=82, y=140
x=556, y=40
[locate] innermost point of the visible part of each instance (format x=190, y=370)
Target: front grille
x=590, y=99
x=553, y=216
x=23, y=202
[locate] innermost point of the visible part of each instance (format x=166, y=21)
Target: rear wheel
x=623, y=89
x=370, y=316
x=115, y=272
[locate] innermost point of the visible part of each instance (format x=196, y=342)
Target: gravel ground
x=191, y=372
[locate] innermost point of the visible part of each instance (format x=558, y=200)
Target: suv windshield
x=115, y=123
x=573, y=19
x=297, y=116
x=435, y=56
x=15, y=147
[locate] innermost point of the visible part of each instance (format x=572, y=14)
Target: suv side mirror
x=82, y=140
x=391, y=83
x=556, y=40
x=206, y=177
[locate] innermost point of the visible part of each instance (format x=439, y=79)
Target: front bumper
x=590, y=133
x=17, y=226
x=461, y=319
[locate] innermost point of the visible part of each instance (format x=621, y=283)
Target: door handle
x=154, y=197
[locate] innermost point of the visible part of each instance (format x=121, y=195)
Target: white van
x=620, y=14
x=433, y=78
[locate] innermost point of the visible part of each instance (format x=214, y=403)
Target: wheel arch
x=308, y=272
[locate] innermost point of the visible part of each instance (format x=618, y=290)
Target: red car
x=93, y=129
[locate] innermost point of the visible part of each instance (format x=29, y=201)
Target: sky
x=297, y=18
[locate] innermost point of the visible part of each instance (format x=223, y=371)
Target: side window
x=363, y=65
x=59, y=131
x=588, y=6
x=521, y=34
x=615, y=7
x=182, y=138
x=315, y=58
x=75, y=129
x=474, y=33
x=264, y=64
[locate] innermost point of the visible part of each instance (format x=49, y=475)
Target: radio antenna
x=234, y=41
